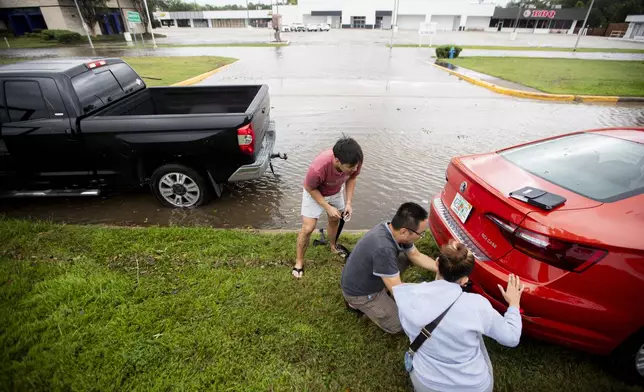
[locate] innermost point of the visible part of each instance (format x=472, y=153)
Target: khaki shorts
x=380, y=308
x=311, y=208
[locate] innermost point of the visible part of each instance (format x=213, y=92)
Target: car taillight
x=560, y=254
x=95, y=64
x=246, y=139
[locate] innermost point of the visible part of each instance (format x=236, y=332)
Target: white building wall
x=427, y=8
x=444, y=22
x=410, y=22
x=477, y=22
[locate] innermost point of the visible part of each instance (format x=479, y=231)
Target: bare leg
x=333, y=231
x=303, y=239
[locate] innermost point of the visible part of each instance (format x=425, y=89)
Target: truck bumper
x=262, y=162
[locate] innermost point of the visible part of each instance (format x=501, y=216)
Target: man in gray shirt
x=377, y=261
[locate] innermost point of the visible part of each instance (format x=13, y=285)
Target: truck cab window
x=25, y=101
x=96, y=89
x=127, y=78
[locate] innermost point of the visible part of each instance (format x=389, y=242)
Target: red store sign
x=539, y=14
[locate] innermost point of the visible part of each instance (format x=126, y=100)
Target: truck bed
x=179, y=100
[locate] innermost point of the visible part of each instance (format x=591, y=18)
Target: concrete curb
x=199, y=78
x=541, y=96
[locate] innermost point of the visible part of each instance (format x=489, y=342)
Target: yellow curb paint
x=597, y=98
x=509, y=91
x=199, y=78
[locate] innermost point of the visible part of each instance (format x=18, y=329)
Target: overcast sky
x=243, y=2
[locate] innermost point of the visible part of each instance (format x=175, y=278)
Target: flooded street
x=409, y=117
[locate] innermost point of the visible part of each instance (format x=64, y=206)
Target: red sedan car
x=573, y=230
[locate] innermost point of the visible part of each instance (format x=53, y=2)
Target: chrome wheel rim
x=179, y=189
x=639, y=360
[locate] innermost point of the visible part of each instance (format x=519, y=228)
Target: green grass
x=27, y=43
x=168, y=70
x=174, y=69
x=93, y=308
x=532, y=48
x=564, y=76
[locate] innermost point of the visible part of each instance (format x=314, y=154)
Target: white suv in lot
x=298, y=27
x=312, y=27
x=324, y=27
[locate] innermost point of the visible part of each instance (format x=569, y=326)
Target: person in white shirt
x=454, y=358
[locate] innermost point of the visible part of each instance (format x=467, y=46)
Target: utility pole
x=80, y=16
x=154, y=42
x=394, y=23
x=118, y=5
x=516, y=22
x=581, y=30
x=247, y=15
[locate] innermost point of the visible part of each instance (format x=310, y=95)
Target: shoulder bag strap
x=427, y=330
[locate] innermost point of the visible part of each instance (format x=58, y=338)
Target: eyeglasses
x=421, y=235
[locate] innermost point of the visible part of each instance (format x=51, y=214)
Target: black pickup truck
x=83, y=127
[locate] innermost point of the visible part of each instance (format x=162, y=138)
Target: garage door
x=306, y=19
x=410, y=22
x=477, y=22
x=445, y=22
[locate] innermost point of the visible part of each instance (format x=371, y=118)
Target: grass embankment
x=91, y=308
x=533, y=48
x=164, y=71
x=99, y=41
x=564, y=76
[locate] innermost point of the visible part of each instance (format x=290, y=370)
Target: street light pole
x=394, y=22
x=247, y=15
x=80, y=15
x=516, y=22
x=581, y=30
x=154, y=42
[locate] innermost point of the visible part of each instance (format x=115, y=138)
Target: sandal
x=297, y=272
x=341, y=250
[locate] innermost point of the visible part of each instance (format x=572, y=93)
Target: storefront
x=537, y=21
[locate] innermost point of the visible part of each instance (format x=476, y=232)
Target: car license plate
x=461, y=207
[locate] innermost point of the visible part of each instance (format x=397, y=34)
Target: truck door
x=38, y=136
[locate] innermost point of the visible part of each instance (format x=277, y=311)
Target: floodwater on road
x=409, y=117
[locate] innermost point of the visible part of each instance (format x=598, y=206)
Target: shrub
x=34, y=35
x=68, y=37
x=442, y=52
x=63, y=36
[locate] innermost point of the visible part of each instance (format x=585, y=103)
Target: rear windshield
x=602, y=168
x=98, y=87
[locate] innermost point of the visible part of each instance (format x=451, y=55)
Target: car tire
x=628, y=359
x=179, y=186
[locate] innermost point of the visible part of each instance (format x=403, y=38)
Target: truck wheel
x=179, y=186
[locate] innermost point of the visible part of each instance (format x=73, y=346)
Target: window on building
x=25, y=101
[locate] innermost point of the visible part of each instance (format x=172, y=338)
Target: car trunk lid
x=488, y=192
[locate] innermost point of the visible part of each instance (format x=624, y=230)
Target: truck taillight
x=95, y=64
x=560, y=254
x=246, y=139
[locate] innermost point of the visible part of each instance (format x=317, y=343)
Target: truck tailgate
x=259, y=114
